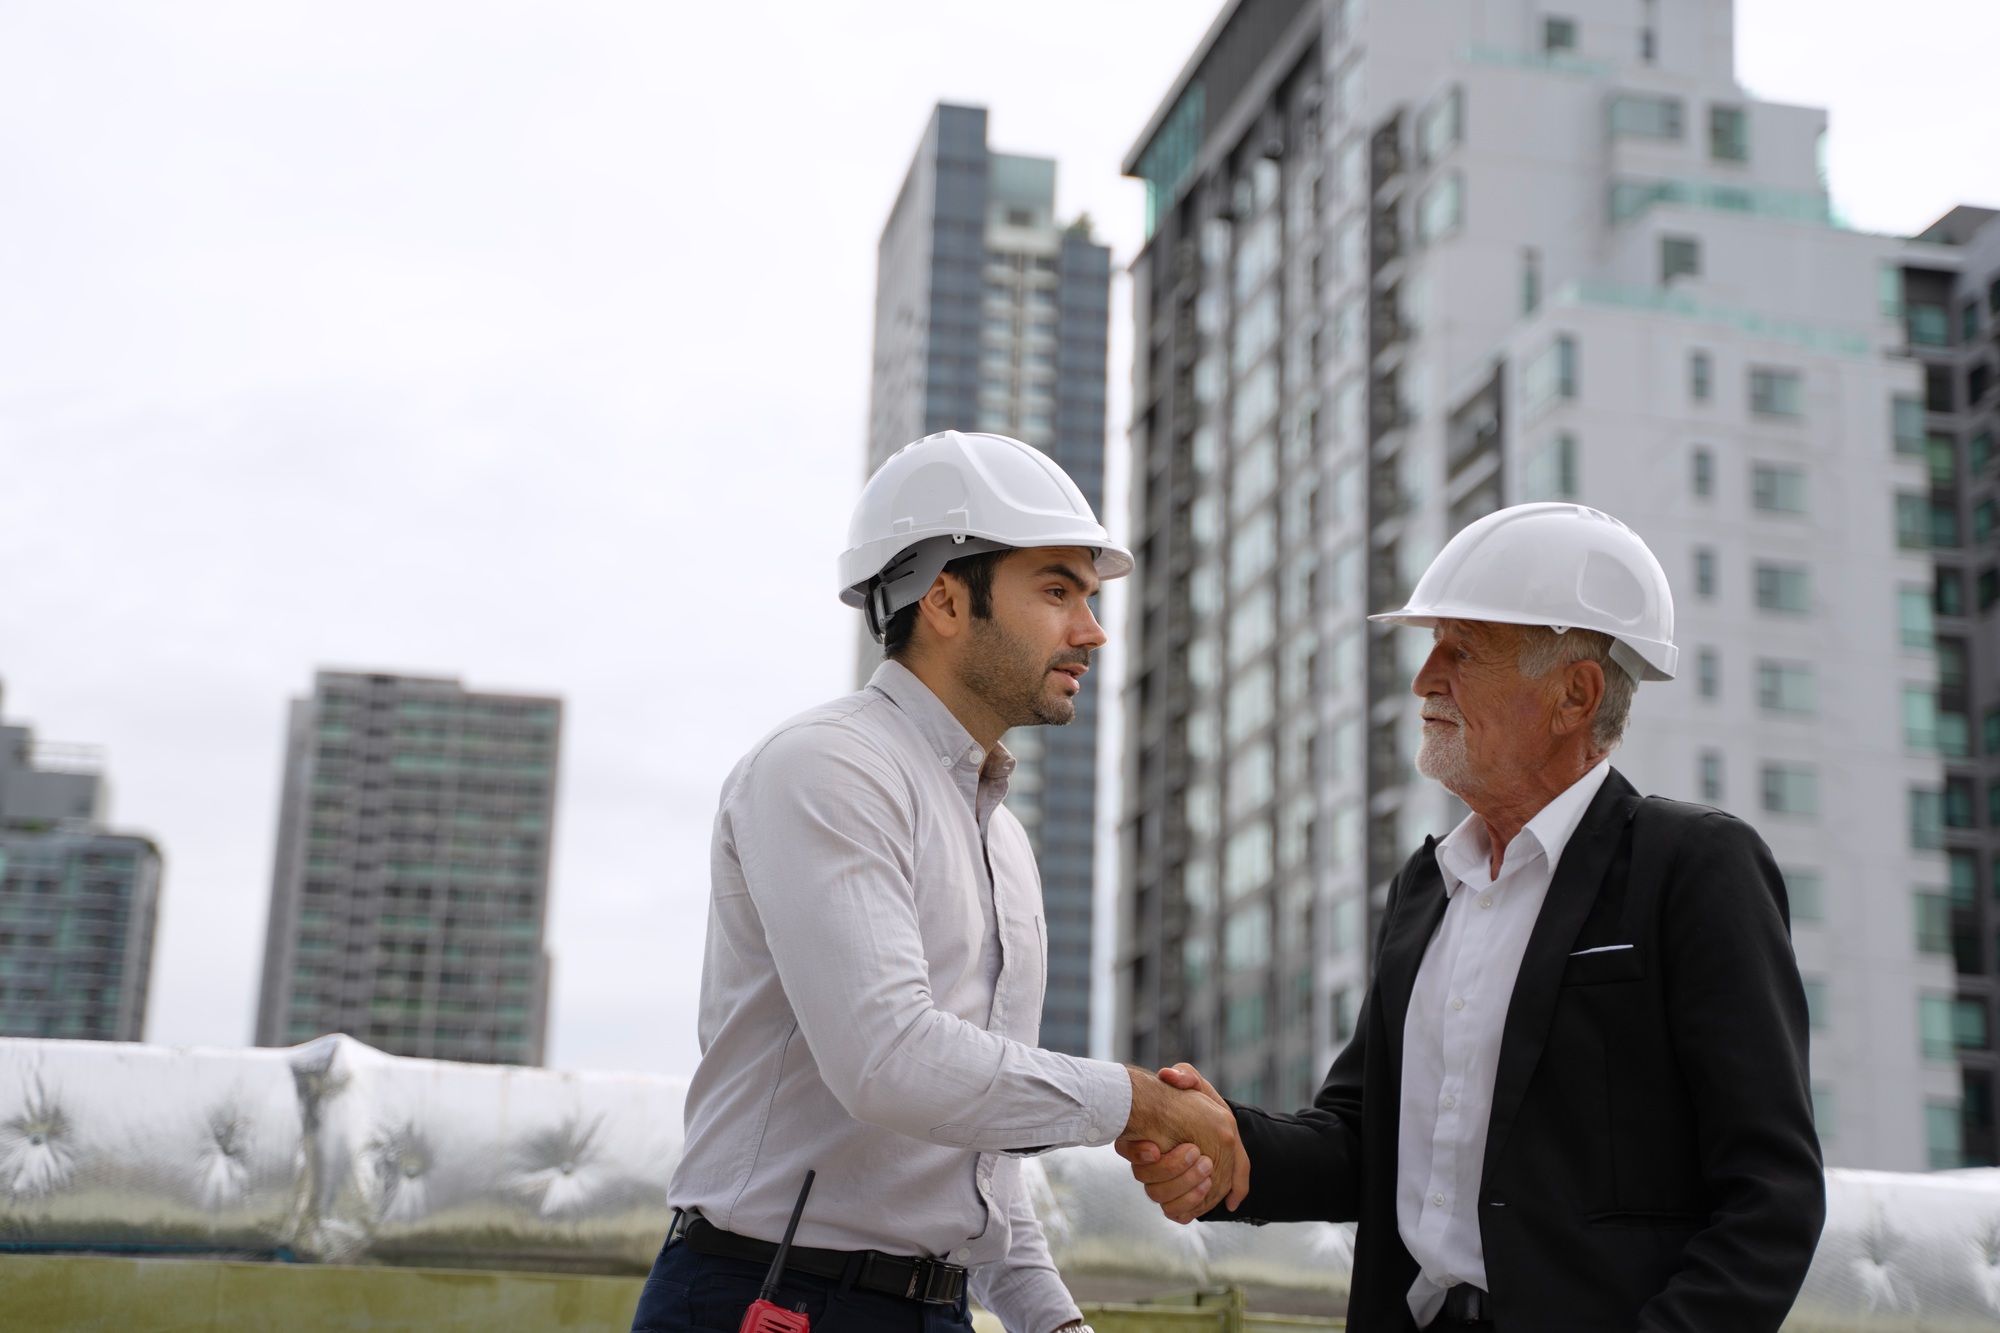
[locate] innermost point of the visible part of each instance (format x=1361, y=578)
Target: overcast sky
x=529, y=343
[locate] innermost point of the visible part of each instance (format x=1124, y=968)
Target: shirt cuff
x=1107, y=1100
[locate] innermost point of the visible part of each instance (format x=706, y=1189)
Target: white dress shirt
x=870, y=1000
x=1451, y=1036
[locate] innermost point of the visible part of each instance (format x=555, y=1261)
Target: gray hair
x=1543, y=650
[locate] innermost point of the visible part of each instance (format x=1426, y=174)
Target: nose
x=1090, y=634
x=1430, y=678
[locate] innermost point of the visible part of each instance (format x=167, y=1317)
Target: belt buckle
x=931, y=1282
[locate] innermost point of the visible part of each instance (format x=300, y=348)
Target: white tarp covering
x=335, y=1152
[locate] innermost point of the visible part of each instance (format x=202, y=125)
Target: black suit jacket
x=1650, y=1158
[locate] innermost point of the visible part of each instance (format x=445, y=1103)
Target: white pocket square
x=1602, y=948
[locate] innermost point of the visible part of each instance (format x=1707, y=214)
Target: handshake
x=1181, y=1141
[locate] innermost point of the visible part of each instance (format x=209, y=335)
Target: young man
x=1577, y=1097
x=876, y=950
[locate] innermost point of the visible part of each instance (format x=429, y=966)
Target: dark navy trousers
x=699, y=1293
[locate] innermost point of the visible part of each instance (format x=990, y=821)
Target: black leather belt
x=1464, y=1304
x=927, y=1280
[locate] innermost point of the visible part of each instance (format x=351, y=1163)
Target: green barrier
x=117, y=1294
x=1218, y=1310
x=92, y=1294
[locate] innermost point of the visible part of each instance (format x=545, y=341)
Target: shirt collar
x=942, y=732
x=1466, y=848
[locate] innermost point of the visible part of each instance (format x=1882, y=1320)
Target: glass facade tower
x=992, y=316
x=410, y=888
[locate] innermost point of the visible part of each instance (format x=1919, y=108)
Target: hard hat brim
x=1658, y=660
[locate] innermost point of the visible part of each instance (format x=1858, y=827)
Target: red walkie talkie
x=765, y=1315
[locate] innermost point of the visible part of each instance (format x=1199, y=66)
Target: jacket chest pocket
x=1603, y=964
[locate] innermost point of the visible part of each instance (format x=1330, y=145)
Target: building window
x=1243, y=1020
x=1783, y=588
x=1824, y=1110
x=1927, y=324
x=1968, y=1024
x=1441, y=128
x=1803, y=892
x=1550, y=472
x=1934, y=1034
x=1926, y=810
x=1938, y=395
x=1680, y=256
x=1558, y=36
x=1944, y=524
x=1704, y=572
x=1531, y=281
x=1944, y=1132
x=1246, y=938
x=1703, y=461
x=1701, y=377
x=1933, y=918
x=1964, y=869
x=1791, y=789
x=1646, y=117
x=1953, y=668
x=1941, y=456
x=1708, y=673
x=1785, y=687
x=1440, y=209
x=1551, y=376
x=1776, y=393
x=1728, y=134
x=1958, y=803
x=1913, y=521
x=1913, y=611
x=1950, y=595
x=1907, y=424
x=1778, y=490
x=1711, y=776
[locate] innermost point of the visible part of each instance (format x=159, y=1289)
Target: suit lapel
x=1564, y=910
x=1417, y=911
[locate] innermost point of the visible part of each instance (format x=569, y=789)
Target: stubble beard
x=1441, y=753
x=1014, y=681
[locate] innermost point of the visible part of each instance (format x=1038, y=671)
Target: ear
x=1582, y=692
x=944, y=609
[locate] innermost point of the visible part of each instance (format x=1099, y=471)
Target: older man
x=1577, y=1097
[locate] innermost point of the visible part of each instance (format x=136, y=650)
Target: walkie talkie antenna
x=770, y=1291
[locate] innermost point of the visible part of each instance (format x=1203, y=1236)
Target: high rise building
x=410, y=888
x=991, y=315
x=78, y=902
x=1407, y=263
x=1950, y=296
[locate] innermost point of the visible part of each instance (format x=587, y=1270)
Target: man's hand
x=1207, y=1163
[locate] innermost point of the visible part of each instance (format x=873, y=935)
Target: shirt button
x=1486, y=900
x=1449, y=1102
x=1438, y=1199
x=1458, y=1003
x=960, y=1255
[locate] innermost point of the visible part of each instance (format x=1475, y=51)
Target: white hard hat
x=955, y=494
x=1559, y=565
